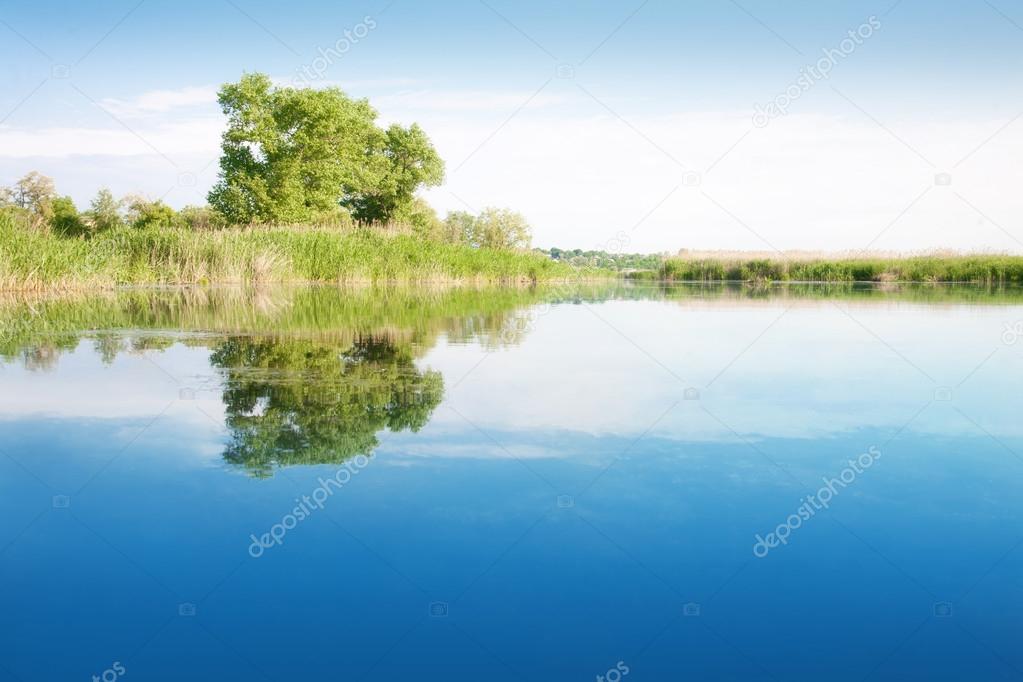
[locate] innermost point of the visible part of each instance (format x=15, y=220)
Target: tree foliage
x=293, y=155
x=65, y=218
x=30, y=201
x=104, y=212
x=34, y=192
x=144, y=212
x=493, y=228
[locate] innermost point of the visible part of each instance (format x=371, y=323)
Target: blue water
x=582, y=499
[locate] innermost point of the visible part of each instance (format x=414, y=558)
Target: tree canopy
x=493, y=228
x=301, y=154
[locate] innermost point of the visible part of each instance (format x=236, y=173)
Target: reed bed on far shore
x=807, y=267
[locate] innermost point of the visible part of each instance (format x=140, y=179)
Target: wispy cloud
x=162, y=101
x=466, y=100
x=196, y=137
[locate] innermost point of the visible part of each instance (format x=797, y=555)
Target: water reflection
x=308, y=402
x=571, y=500
x=306, y=376
x=314, y=375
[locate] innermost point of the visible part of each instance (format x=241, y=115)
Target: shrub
x=201, y=218
x=143, y=212
x=104, y=213
x=65, y=219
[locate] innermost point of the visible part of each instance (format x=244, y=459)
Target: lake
x=605, y=482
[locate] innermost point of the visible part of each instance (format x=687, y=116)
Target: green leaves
x=297, y=155
x=493, y=228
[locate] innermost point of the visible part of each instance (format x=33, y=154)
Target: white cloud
x=462, y=101
x=199, y=136
x=807, y=181
x=162, y=101
x=353, y=87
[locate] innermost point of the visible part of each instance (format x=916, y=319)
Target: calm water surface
x=622, y=483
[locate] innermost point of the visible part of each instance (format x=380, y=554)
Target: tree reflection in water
x=299, y=401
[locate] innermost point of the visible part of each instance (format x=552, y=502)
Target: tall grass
x=981, y=269
x=37, y=260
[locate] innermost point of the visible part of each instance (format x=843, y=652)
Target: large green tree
x=302, y=154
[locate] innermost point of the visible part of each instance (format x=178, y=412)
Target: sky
x=634, y=125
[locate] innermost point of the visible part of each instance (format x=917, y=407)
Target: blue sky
x=584, y=115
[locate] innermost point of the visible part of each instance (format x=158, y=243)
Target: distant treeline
x=604, y=259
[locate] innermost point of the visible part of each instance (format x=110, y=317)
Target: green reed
x=39, y=260
x=979, y=269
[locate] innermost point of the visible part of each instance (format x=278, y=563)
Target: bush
x=65, y=219
x=201, y=218
x=104, y=213
x=493, y=228
x=423, y=220
x=143, y=212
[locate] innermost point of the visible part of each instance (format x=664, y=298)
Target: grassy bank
x=981, y=269
x=159, y=255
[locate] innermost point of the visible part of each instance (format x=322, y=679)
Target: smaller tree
x=423, y=220
x=201, y=218
x=34, y=192
x=30, y=201
x=500, y=228
x=65, y=218
x=104, y=212
x=144, y=212
x=459, y=227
